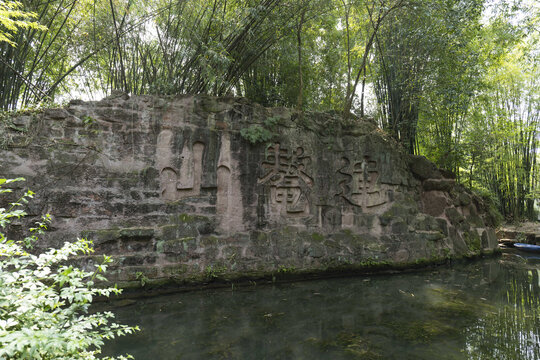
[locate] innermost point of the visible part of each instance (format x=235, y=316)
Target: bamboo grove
x=454, y=80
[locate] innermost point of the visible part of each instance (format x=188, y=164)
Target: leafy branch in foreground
x=44, y=301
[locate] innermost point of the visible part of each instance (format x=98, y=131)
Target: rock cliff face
x=173, y=189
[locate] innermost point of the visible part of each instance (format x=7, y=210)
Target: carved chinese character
x=360, y=186
x=287, y=177
x=186, y=182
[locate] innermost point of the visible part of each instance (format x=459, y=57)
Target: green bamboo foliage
x=13, y=18
x=196, y=46
x=30, y=67
x=504, y=137
x=425, y=69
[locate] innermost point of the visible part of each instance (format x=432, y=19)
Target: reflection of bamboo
x=512, y=331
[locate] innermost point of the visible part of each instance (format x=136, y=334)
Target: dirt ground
x=526, y=227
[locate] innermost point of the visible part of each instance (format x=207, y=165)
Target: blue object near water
x=527, y=247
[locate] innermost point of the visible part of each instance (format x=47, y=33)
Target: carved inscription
x=361, y=186
x=187, y=182
x=286, y=175
x=224, y=196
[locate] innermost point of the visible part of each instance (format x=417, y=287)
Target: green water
x=489, y=309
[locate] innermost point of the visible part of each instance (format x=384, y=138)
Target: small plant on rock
x=256, y=133
x=143, y=279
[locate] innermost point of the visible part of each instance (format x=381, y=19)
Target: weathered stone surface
x=454, y=216
x=174, y=192
x=464, y=199
x=434, y=203
x=489, y=239
x=423, y=168
x=439, y=184
x=137, y=233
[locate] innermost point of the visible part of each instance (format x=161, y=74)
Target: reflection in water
x=512, y=331
x=484, y=310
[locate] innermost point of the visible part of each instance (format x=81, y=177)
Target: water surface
x=487, y=309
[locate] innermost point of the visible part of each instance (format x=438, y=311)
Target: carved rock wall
x=171, y=189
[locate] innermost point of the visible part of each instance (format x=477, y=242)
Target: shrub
x=45, y=301
x=256, y=133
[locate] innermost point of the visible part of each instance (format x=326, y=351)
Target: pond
x=487, y=309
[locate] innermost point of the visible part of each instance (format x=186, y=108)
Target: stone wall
x=171, y=188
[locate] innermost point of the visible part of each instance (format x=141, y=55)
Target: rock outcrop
x=174, y=191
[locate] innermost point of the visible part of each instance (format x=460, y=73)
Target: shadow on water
x=484, y=310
